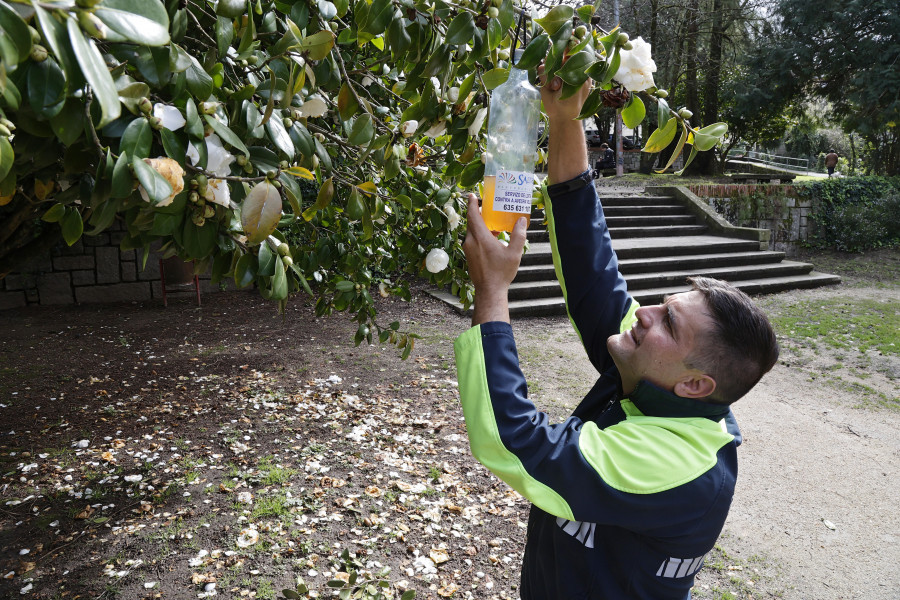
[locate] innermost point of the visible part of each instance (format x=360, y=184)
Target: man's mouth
x=633, y=337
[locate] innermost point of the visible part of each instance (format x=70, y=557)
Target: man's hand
x=567, y=149
x=561, y=110
x=492, y=266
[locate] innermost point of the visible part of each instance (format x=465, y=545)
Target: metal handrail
x=772, y=159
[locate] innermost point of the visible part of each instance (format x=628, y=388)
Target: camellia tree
x=320, y=146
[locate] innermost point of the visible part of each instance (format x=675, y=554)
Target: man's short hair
x=604, y=145
x=741, y=348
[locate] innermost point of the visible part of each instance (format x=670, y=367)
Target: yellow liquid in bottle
x=496, y=220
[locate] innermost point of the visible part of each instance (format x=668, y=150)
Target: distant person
x=607, y=158
x=831, y=160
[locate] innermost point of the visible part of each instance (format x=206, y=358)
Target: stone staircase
x=661, y=236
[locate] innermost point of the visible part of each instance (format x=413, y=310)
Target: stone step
x=672, y=263
x=555, y=305
x=665, y=246
x=658, y=279
x=649, y=221
x=655, y=209
x=654, y=231
x=634, y=200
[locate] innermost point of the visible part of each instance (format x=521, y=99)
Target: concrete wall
x=93, y=270
x=782, y=212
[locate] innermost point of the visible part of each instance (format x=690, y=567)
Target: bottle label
x=512, y=192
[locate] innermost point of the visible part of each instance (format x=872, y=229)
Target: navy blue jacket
x=629, y=494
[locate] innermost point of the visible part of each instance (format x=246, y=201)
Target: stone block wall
x=93, y=270
x=785, y=215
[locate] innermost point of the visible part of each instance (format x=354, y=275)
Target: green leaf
x=347, y=104
x=266, y=261
x=461, y=29
x=10, y=94
x=408, y=595
x=472, y=174
x=291, y=594
x=7, y=155
x=279, y=281
x=574, y=70
x=199, y=82
x=68, y=124
x=46, y=88
x=260, y=212
x=224, y=34
x=245, y=271
x=555, y=18
x=662, y=111
x=95, y=71
x=175, y=145
x=227, y=135
x=72, y=226
x=494, y=34
x=690, y=159
x=612, y=67
x=678, y=148
x=154, y=184
x=534, y=52
x=362, y=130
x=15, y=34
x=122, y=179
x=130, y=93
x=591, y=104
x=57, y=37
x=662, y=137
x=494, y=78
x=194, y=125
x=301, y=173
x=279, y=136
x=56, y=212
x=318, y=45
x=323, y=199
x=143, y=22
x=179, y=60
x=634, y=112
x=137, y=138
x=585, y=13
x=198, y=242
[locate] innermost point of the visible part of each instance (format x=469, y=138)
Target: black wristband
x=576, y=183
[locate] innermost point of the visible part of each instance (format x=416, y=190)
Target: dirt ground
x=226, y=450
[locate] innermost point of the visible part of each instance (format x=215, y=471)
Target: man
x=831, y=161
x=632, y=491
x=607, y=158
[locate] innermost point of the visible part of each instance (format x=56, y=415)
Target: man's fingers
x=517, y=236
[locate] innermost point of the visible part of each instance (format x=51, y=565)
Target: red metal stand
x=176, y=282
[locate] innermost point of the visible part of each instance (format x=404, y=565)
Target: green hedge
x=853, y=214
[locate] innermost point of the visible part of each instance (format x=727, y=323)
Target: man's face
x=659, y=343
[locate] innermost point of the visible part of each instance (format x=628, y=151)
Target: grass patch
x=842, y=324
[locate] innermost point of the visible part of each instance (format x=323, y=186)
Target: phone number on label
x=515, y=208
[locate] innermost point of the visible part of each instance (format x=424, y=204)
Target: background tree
x=311, y=145
x=847, y=53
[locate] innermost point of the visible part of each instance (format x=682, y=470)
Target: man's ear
x=694, y=384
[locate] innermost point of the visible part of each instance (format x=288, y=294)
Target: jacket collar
x=653, y=401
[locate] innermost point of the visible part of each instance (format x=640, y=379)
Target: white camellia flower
x=437, y=129
x=637, y=67
x=367, y=80
x=171, y=172
x=170, y=116
x=313, y=107
x=480, y=116
x=437, y=260
x=407, y=128
x=218, y=159
x=218, y=192
x=452, y=217
x=453, y=95
x=383, y=290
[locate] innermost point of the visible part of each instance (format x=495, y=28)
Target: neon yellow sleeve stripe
x=484, y=435
x=557, y=265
